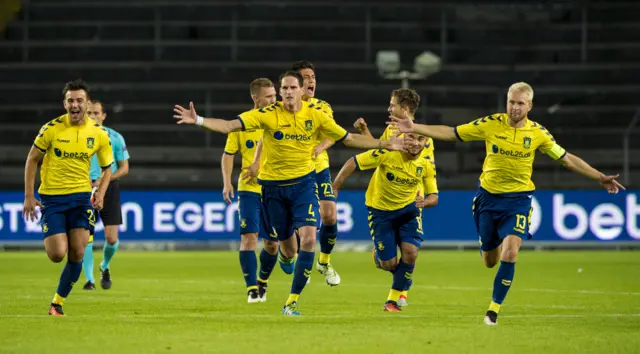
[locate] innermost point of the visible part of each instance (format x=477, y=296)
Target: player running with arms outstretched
x=253, y=222
x=67, y=144
x=288, y=177
x=395, y=200
x=502, y=206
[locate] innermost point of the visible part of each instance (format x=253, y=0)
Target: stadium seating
x=141, y=58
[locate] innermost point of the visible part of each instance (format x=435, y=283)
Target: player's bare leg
x=249, y=265
x=54, y=245
x=504, y=277
x=110, y=246
x=287, y=253
x=303, y=267
x=491, y=258
x=328, y=230
x=268, y=257
x=402, y=271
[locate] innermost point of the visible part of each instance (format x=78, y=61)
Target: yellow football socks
x=58, y=300
x=494, y=307
x=394, y=295
x=324, y=258
x=292, y=298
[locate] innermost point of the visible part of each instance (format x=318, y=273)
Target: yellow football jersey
x=510, y=152
x=245, y=142
x=397, y=178
x=68, y=150
x=429, y=146
x=289, y=139
x=322, y=160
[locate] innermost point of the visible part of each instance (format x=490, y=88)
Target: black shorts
x=111, y=213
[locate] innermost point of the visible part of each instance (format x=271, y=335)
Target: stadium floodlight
x=425, y=64
x=388, y=62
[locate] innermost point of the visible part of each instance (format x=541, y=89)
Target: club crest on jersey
x=45, y=228
x=243, y=223
x=419, y=172
x=308, y=125
x=527, y=142
x=90, y=143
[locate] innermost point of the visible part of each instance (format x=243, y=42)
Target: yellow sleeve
x=105, y=152
x=429, y=181
x=231, y=147
x=252, y=119
x=326, y=107
x=475, y=130
x=388, y=133
x=330, y=128
x=549, y=145
x=370, y=159
x=44, y=138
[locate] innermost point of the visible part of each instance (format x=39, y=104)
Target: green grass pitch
x=195, y=302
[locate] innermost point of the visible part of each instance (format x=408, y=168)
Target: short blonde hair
x=522, y=87
x=259, y=83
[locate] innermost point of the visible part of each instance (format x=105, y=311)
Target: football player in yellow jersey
x=250, y=210
x=328, y=208
x=502, y=206
x=402, y=100
x=288, y=182
x=67, y=144
x=394, y=198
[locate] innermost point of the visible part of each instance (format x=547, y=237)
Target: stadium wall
x=167, y=220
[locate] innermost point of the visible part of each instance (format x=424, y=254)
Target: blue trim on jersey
x=285, y=182
x=563, y=155
x=356, y=161
x=230, y=153
x=455, y=130
x=107, y=166
x=39, y=148
x=344, y=137
x=241, y=122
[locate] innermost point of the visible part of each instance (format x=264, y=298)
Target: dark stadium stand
x=141, y=57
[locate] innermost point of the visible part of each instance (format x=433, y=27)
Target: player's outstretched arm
x=437, y=132
x=30, y=168
x=361, y=126
x=576, y=164
x=345, y=172
x=365, y=142
x=189, y=116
